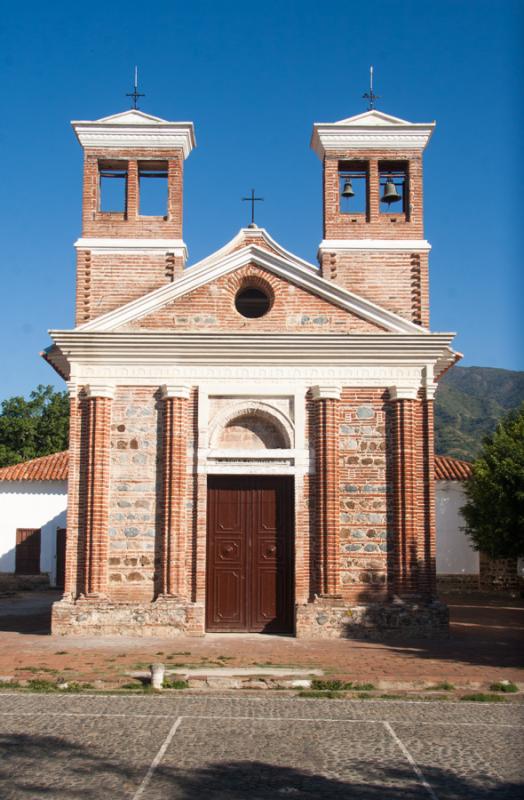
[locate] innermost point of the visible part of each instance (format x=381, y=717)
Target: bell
x=347, y=190
x=390, y=193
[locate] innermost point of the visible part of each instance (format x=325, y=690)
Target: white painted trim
x=100, y=390
x=370, y=134
x=252, y=403
x=176, y=390
x=326, y=392
x=403, y=392
x=199, y=275
x=135, y=130
x=130, y=246
x=402, y=245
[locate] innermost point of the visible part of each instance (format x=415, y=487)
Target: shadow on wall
x=64, y=765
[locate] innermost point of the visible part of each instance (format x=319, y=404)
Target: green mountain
x=469, y=403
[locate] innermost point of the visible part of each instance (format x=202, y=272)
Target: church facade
x=251, y=437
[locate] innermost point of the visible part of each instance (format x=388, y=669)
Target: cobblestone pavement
x=486, y=645
x=256, y=748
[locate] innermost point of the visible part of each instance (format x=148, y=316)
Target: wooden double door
x=250, y=547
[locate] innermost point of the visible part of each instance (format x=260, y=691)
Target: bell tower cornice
x=135, y=130
x=372, y=130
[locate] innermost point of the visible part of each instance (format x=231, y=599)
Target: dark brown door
x=27, y=555
x=250, y=554
x=60, y=557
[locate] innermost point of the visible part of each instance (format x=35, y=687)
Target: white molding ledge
x=129, y=246
x=134, y=129
x=403, y=392
x=176, y=390
x=326, y=391
x=400, y=245
x=100, y=390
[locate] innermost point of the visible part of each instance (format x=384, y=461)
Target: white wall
x=32, y=504
x=455, y=556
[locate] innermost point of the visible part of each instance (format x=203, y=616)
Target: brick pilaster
x=428, y=583
x=406, y=552
x=94, y=489
x=327, y=400
x=173, y=579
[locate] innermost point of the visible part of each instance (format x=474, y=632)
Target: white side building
x=33, y=505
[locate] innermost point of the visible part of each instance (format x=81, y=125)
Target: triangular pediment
x=373, y=117
x=132, y=116
x=253, y=247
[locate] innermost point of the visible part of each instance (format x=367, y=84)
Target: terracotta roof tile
x=54, y=468
x=451, y=469
x=46, y=468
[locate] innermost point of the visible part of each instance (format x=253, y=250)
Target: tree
x=35, y=427
x=494, y=511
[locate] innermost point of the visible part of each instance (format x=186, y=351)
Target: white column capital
x=403, y=392
x=326, y=391
x=175, y=390
x=100, y=390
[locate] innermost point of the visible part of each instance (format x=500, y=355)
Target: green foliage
x=35, y=427
x=469, y=404
x=334, y=685
x=481, y=697
x=494, y=511
x=318, y=694
x=175, y=683
x=507, y=687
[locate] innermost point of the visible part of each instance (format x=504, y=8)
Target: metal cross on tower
x=371, y=96
x=135, y=94
x=252, y=200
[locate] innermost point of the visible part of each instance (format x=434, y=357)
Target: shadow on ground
x=484, y=631
x=49, y=766
x=28, y=612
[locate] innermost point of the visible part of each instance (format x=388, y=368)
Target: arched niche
x=251, y=426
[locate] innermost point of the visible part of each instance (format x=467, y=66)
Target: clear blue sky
x=254, y=77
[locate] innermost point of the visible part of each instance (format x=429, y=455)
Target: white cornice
x=303, y=276
x=370, y=131
x=404, y=245
x=129, y=246
x=180, y=358
x=134, y=129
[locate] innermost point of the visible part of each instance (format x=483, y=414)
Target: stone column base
x=326, y=618
x=165, y=617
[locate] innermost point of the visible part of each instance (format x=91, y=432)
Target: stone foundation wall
x=163, y=617
x=330, y=619
x=500, y=575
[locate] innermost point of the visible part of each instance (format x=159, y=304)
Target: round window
x=252, y=302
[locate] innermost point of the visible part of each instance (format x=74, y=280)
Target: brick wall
x=211, y=307
x=374, y=225
x=130, y=224
x=108, y=281
x=397, y=281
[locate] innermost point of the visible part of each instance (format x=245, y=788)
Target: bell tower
x=132, y=239
x=373, y=230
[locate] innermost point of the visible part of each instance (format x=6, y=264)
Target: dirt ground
x=485, y=645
